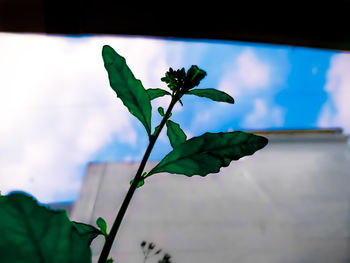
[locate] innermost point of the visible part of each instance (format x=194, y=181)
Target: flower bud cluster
x=180, y=81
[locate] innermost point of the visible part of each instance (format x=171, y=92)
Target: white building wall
x=290, y=202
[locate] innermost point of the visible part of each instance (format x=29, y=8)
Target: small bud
x=166, y=259
x=143, y=243
x=151, y=246
x=161, y=111
x=175, y=79
x=194, y=76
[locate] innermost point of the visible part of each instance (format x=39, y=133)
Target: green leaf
x=87, y=232
x=212, y=94
x=209, y=152
x=33, y=233
x=175, y=134
x=128, y=88
x=161, y=111
x=156, y=93
x=101, y=223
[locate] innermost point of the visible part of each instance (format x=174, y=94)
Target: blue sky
x=58, y=112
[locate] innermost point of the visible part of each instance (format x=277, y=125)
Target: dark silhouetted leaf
x=32, y=233
x=156, y=93
x=128, y=88
x=101, y=223
x=213, y=94
x=209, y=152
x=175, y=134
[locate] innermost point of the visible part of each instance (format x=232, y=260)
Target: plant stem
x=113, y=233
x=146, y=257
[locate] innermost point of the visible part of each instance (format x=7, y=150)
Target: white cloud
x=57, y=110
x=245, y=76
x=336, y=110
x=264, y=116
x=247, y=73
x=251, y=72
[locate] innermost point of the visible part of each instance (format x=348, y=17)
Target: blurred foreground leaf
x=209, y=152
x=33, y=233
